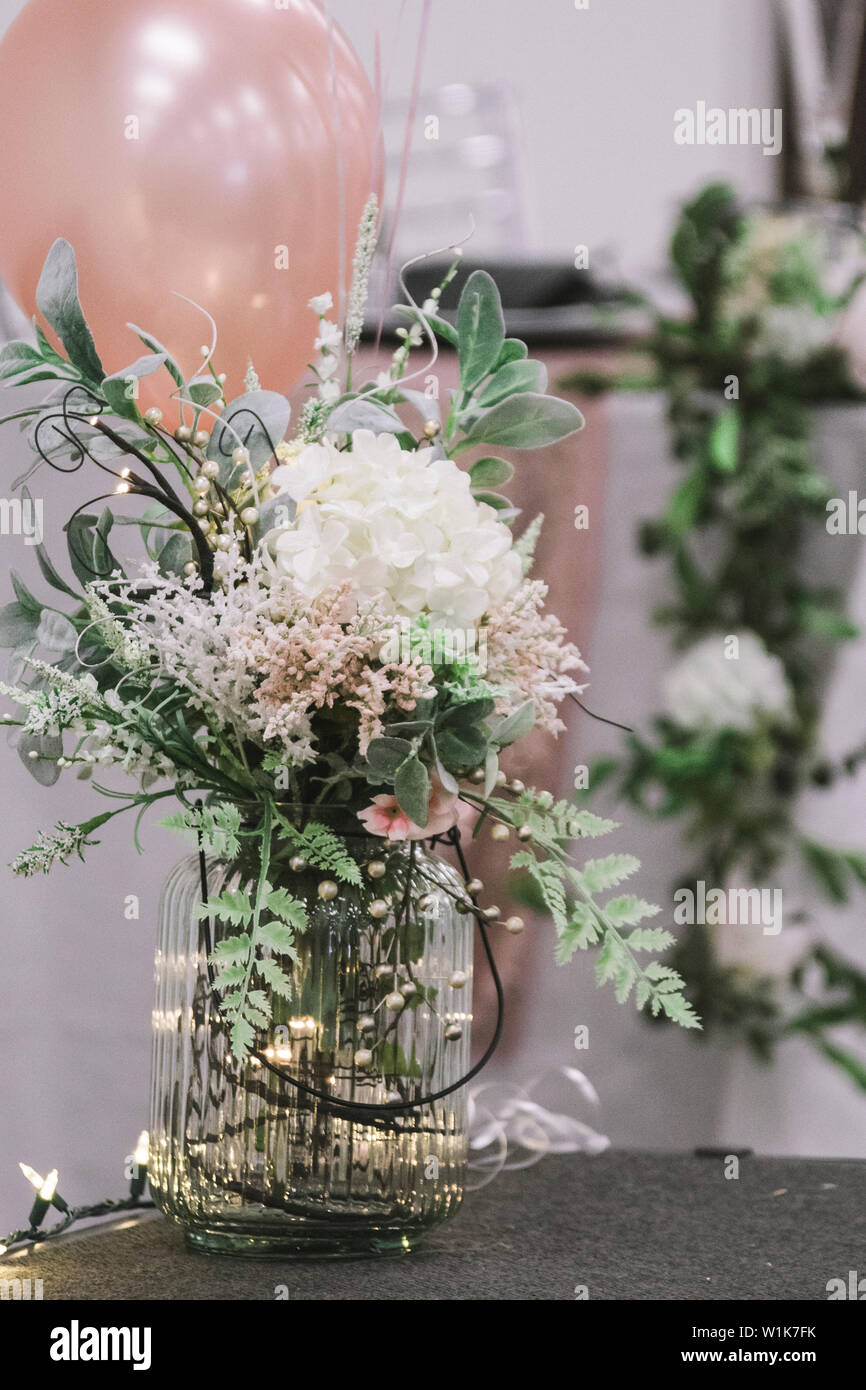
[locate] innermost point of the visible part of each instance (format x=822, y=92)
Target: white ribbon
x=509, y=1129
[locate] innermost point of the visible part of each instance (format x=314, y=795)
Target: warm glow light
x=49, y=1187
x=142, y=1149
x=31, y=1175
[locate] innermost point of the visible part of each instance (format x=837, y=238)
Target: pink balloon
x=191, y=146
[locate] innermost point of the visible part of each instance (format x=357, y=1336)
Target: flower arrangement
x=774, y=326
x=333, y=615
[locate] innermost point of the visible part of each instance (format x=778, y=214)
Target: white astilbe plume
x=59, y=706
x=64, y=841
x=365, y=250
x=117, y=635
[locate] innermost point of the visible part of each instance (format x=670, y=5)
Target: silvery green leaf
x=57, y=301
x=513, y=349
x=43, y=769
x=427, y=406
x=55, y=632
x=17, y=627
x=384, y=756
x=364, y=414
x=202, y=391
x=259, y=421
x=176, y=553
x=490, y=472
x=525, y=421
x=156, y=346
x=512, y=379
x=412, y=789
x=480, y=329
x=21, y=364
x=119, y=389
x=514, y=726
x=277, y=512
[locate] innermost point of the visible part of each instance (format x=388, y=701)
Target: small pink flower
x=444, y=810
x=384, y=817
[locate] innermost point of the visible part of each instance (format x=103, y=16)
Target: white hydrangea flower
x=708, y=690
x=396, y=526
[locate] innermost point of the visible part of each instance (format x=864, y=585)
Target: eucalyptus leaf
x=57, y=302
x=43, y=768
x=55, y=632
x=156, y=346
x=461, y=748
x=427, y=406
x=202, y=391
x=30, y=604
x=480, y=329
x=512, y=351
x=260, y=419
x=362, y=413
x=17, y=626
x=412, y=789
x=491, y=472
x=515, y=726
x=512, y=379
x=89, y=553
x=441, y=327
x=385, y=755
x=119, y=389
x=49, y=573
x=525, y=421
x=496, y=501
x=176, y=553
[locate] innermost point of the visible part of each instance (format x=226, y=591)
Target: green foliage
x=569, y=894
x=237, y=960
x=321, y=848
x=215, y=827
x=480, y=329
x=734, y=533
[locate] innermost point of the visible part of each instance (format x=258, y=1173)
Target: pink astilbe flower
x=528, y=655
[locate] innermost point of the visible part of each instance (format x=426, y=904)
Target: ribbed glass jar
x=249, y=1165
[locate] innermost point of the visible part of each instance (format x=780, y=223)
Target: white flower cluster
x=709, y=690
x=64, y=841
x=784, y=276
x=61, y=705
x=403, y=531
x=329, y=346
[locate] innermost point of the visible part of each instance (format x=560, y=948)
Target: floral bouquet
x=327, y=641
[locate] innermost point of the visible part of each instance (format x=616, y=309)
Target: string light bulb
x=42, y=1184
x=46, y=1189
x=140, y=1160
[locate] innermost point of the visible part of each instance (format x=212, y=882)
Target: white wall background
x=596, y=89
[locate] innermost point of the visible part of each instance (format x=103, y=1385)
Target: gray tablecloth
x=620, y=1226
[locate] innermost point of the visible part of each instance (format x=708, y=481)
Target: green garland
x=732, y=532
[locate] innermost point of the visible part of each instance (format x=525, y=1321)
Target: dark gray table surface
x=624, y=1225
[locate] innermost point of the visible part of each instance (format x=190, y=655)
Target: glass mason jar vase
x=379, y=1013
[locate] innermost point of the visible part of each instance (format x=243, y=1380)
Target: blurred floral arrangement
x=291, y=636
x=776, y=303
